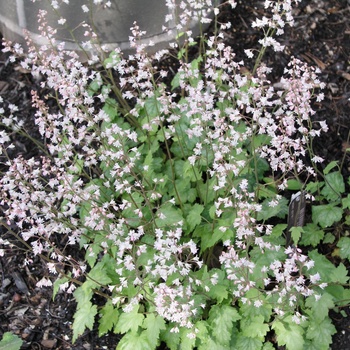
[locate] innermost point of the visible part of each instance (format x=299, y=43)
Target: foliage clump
x=177, y=195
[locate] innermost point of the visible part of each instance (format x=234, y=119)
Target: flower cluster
x=153, y=183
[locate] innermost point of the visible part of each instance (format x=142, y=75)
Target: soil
x=321, y=37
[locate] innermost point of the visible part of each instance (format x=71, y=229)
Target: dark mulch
x=320, y=37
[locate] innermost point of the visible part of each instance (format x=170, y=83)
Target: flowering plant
x=176, y=192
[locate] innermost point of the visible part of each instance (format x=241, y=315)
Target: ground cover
x=320, y=37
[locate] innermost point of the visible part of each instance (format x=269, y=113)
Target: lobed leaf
x=109, y=317
x=10, y=341
x=249, y=310
x=312, y=235
x=319, y=308
x=326, y=215
x=321, y=333
x=322, y=266
x=168, y=215
x=344, y=245
x=134, y=341
x=194, y=216
x=340, y=274
x=334, y=186
x=84, y=318
x=268, y=211
x=289, y=334
x=254, y=327
x=248, y=343
x=153, y=326
x=222, y=319
x=129, y=321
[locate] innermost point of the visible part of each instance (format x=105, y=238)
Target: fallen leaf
x=319, y=63
x=21, y=311
x=20, y=283
x=345, y=75
x=49, y=343
x=3, y=86
x=20, y=69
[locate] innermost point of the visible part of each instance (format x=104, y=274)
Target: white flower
x=249, y=53
x=55, y=5
x=258, y=303
x=315, y=278
x=44, y=282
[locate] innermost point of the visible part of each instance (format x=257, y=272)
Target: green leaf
x=134, y=341
x=220, y=290
x=153, y=325
x=278, y=230
x=322, y=266
x=98, y=275
x=210, y=239
x=268, y=346
x=183, y=190
x=326, y=215
x=109, y=317
x=187, y=343
x=296, y=233
x=249, y=311
x=312, y=235
x=194, y=216
x=83, y=293
x=344, y=245
x=168, y=215
x=330, y=166
x=10, y=342
x=313, y=187
x=152, y=106
x=171, y=339
x=329, y=238
x=111, y=108
x=202, y=334
x=294, y=185
x=57, y=284
x=334, y=186
x=84, y=318
x=289, y=334
x=211, y=344
x=346, y=202
x=206, y=191
x=262, y=260
x=176, y=81
x=340, y=274
x=221, y=320
x=248, y=343
x=85, y=209
x=268, y=211
x=261, y=166
x=339, y=293
x=254, y=327
x=113, y=58
x=310, y=345
x=93, y=87
x=190, y=171
x=265, y=191
x=320, y=308
x=321, y=333
x=129, y=321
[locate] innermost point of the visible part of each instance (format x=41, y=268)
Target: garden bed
x=321, y=37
